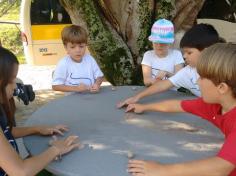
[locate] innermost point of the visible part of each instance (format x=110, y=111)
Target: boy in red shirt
x=217, y=83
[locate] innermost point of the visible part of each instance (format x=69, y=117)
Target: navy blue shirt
x=7, y=132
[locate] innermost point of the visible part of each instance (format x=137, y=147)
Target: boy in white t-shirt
x=162, y=62
x=78, y=71
x=193, y=42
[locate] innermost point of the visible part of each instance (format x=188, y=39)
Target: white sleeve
x=178, y=80
x=178, y=57
x=60, y=73
x=146, y=60
x=96, y=70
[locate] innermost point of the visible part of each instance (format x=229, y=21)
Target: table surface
x=109, y=134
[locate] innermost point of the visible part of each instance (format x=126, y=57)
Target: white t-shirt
x=187, y=77
x=167, y=63
x=69, y=72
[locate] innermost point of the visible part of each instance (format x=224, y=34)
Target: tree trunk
x=186, y=13
x=118, y=30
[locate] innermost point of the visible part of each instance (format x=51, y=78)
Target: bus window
x=48, y=12
x=59, y=14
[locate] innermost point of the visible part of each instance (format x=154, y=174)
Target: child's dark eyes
x=189, y=53
x=81, y=46
x=72, y=46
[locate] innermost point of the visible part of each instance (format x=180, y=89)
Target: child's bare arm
x=164, y=106
x=147, y=75
x=13, y=165
x=65, y=88
x=214, y=166
x=99, y=80
x=18, y=132
x=177, y=68
x=157, y=87
x=96, y=86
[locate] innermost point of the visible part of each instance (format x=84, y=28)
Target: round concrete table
x=109, y=134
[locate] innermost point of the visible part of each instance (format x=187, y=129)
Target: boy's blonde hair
x=74, y=34
x=218, y=64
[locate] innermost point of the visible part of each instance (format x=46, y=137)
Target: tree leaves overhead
x=7, y=6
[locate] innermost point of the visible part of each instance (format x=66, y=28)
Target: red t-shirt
x=226, y=123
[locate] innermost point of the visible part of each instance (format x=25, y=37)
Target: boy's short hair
x=74, y=34
x=217, y=63
x=200, y=36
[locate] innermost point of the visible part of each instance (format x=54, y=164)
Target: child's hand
x=94, y=88
x=161, y=75
x=83, y=87
x=50, y=130
x=146, y=168
x=66, y=145
x=127, y=102
x=137, y=108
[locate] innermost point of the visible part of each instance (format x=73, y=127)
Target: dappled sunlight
x=168, y=125
x=181, y=126
x=135, y=119
x=200, y=146
x=127, y=153
x=153, y=150
x=131, y=116
x=47, y=95
x=173, y=125
x=94, y=145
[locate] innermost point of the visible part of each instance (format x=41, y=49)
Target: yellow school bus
x=41, y=24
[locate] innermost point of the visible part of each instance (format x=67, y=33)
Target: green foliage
x=164, y=9
x=9, y=11
x=10, y=38
x=9, y=33
x=145, y=18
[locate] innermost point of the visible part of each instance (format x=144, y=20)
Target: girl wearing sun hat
x=163, y=61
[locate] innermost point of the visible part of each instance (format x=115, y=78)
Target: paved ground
x=39, y=76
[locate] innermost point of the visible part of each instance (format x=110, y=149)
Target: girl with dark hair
x=10, y=161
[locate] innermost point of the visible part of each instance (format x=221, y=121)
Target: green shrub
x=9, y=33
x=10, y=39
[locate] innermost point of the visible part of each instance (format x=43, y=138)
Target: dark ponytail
x=8, y=61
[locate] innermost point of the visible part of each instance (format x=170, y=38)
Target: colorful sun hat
x=162, y=32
